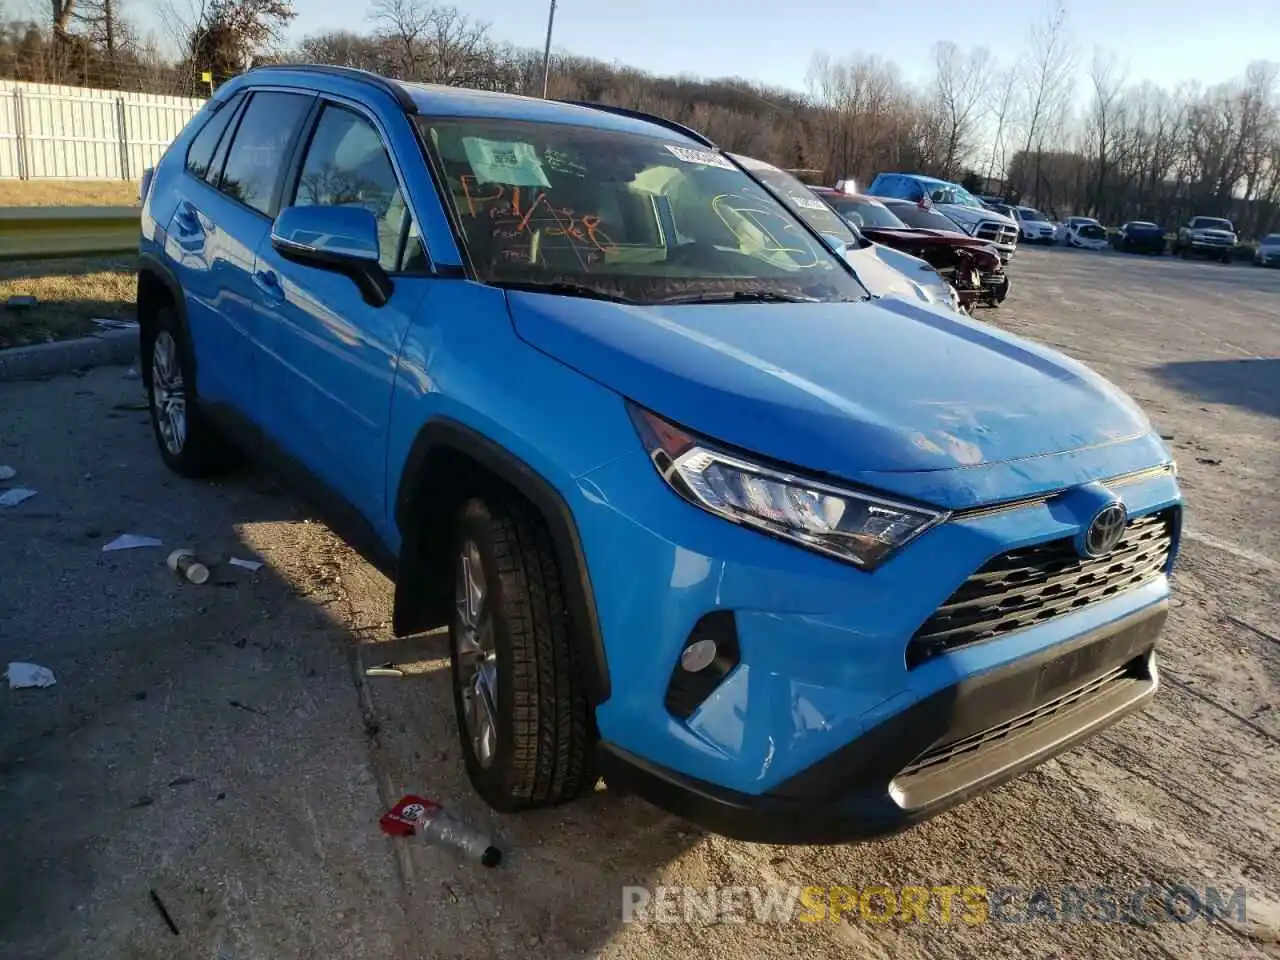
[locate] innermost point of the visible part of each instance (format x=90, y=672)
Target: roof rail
x=386, y=85
x=647, y=117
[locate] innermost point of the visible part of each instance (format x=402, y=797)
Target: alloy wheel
x=477, y=669
x=169, y=392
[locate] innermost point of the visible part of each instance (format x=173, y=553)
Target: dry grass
x=71, y=293
x=68, y=193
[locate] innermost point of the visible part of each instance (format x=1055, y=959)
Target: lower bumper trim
x=957, y=743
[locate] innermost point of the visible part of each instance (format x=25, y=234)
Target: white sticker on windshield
x=808, y=203
x=707, y=158
x=504, y=161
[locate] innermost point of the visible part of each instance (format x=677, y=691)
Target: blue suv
x=701, y=516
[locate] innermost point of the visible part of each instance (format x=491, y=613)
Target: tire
x=512, y=643
x=189, y=445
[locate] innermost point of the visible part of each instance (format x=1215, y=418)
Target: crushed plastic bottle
x=185, y=564
x=427, y=819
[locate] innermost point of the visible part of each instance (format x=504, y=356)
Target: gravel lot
x=219, y=744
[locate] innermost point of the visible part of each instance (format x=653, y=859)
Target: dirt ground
x=220, y=746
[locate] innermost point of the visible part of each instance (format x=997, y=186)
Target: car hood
x=933, y=238
x=958, y=211
x=841, y=388
x=883, y=279
x=1214, y=234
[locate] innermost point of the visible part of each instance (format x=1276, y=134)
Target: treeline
x=1043, y=128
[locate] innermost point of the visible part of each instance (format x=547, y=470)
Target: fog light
x=698, y=655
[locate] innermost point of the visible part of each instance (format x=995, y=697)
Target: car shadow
x=1248, y=383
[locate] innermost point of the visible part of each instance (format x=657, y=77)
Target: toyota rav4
x=700, y=516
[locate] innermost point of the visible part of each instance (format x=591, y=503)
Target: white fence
x=81, y=134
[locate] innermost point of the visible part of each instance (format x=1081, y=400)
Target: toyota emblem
x=1105, y=530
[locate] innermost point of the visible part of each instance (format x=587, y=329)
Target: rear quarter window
x=200, y=153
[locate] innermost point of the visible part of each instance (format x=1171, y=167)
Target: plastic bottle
x=185, y=564
x=427, y=819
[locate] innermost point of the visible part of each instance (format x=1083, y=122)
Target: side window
x=200, y=153
x=347, y=165
x=258, y=153
x=220, y=155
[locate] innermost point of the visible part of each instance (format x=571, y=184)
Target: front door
x=328, y=360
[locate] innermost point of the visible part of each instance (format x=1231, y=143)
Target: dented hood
x=847, y=389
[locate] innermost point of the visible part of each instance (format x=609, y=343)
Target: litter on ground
x=131, y=541
x=246, y=564
x=15, y=495
x=22, y=675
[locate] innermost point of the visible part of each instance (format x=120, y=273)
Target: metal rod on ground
x=546, y=51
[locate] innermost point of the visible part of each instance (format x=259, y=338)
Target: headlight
x=856, y=527
x=944, y=293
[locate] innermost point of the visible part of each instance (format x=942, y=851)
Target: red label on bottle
x=403, y=819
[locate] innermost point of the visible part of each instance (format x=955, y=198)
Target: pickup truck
x=1207, y=236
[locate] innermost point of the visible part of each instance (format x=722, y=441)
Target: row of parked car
x=1213, y=237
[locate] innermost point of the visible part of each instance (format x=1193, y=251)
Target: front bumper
x=823, y=646
x=973, y=735
x=1211, y=245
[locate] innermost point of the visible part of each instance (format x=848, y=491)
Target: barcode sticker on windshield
x=807, y=203
x=707, y=158
x=504, y=161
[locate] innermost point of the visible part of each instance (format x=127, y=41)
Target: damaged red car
x=972, y=266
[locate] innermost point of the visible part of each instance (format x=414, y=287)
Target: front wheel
x=525, y=719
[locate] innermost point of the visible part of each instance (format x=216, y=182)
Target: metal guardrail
x=33, y=233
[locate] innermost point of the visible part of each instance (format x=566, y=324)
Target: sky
x=772, y=41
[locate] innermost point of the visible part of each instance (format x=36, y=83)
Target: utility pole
x=546, y=52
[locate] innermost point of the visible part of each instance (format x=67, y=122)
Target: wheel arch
x=158, y=288
x=448, y=463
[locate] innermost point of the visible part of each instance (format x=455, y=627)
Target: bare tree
x=435, y=44
x=1047, y=82
x=1000, y=105
x=61, y=11
x=960, y=89
x=1107, y=79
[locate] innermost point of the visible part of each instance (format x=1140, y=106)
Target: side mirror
x=838, y=246
x=341, y=239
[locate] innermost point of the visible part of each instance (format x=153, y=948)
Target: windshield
x=797, y=198
x=916, y=216
x=864, y=213
x=952, y=194
x=1030, y=213
x=1271, y=239
x=585, y=211
x=1211, y=223
x=1144, y=225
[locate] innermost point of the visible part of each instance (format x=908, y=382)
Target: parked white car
x=1034, y=226
x=885, y=272
x=1084, y=232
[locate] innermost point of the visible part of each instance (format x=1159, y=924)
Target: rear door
x=218, y=225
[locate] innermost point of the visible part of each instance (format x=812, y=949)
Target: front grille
x=967, y=747
x=1025, y=587
x=996, y=233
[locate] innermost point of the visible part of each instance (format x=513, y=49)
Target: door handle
x=269, y=283
x=186, y=219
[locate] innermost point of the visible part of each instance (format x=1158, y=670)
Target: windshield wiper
x=740, y=296
x=561, y=287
